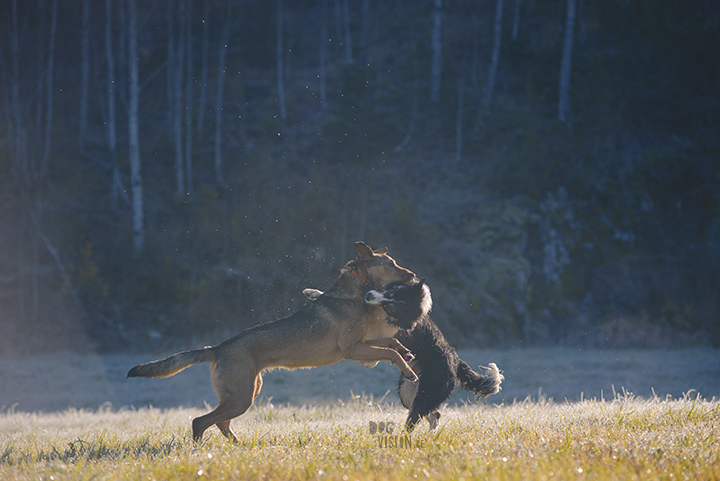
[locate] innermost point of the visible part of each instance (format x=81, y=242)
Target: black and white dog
x=436, y=363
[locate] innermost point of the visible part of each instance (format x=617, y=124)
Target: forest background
x=177, y=170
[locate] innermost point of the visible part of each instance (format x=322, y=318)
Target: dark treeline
x=176, y=169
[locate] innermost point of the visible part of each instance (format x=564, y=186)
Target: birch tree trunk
x=566, y=65
x=177, y=111
x=34, y=160
x=280, y=68
x=19, y=134
x=497, y=40
x=116, y=187
x=475, y=58
x=204, y=66
x=348, y=36
x=436, y=65
x=170, y=77
x=49, y=90
x=84, y=74
x=219, y=95
x=459, y=122
x=516, y=20
x=338, y=26
x=323, y=57
x=188, y=98
x=136, y=186
x=364, y=37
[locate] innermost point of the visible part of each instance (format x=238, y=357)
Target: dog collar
x=359, y=277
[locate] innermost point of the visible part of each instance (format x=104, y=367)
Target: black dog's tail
x=482, y=385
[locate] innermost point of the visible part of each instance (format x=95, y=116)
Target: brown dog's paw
x=408, y=356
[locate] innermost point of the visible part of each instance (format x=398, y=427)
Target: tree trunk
x=566, y=65
x=497, y=40
x=19, y=134
x=188, y=98
x=364, y=37
x=204, y=67
x=348, y=36
x=459, y=122
x=177, y=117
x=116, y=187
x=84, y=74
x=49, y=91
x=219, y=95
x=436, y=65
x=516, y=20
x=136, y=186
x=170, y=77
x=338, y=25
x=475, y=60
x=280, y=69
x=323, y=57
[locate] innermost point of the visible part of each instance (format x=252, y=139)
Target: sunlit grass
x=625, y=438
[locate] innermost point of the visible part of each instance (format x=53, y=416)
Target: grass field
x=562, y=414
x=624, y=438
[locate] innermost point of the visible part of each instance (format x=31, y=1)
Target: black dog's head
x=405, y=303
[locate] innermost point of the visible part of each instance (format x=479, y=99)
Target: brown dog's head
x=376, y=269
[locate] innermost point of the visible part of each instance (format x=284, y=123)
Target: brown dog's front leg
x=392, y=343
x=364, y=352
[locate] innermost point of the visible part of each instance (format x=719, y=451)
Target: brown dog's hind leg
x=222, y=415
x=236, y=387
x=224, y=427
x=203, y=422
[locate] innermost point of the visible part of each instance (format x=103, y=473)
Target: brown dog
x=338, y=325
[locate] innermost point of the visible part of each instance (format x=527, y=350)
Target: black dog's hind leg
x=430, y=395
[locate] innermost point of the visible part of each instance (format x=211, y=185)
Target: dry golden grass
x=626, y=438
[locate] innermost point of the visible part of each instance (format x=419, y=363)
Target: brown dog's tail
x=173, y=364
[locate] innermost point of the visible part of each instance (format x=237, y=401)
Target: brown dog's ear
x=363, y=251
x=381, y=251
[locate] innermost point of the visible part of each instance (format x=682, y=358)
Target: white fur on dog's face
x=426, y=305
x=375, y=298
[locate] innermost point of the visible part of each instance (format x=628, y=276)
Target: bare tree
x=280, y=66
x=179, y=57
x=436, y=64
x=219, y=95
x=323, y=57
x=459, y=121
x=170, y=77
x=364, y=38
x=188, y=98
x=516, y=20
x=497, y=40
x=348, y=36
x=18, y=132
x=85, y=73
x=116, y=187
x=49, y=89
x=475, y=59
x=136, y=185
x=204, y=65
x=566, y=65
